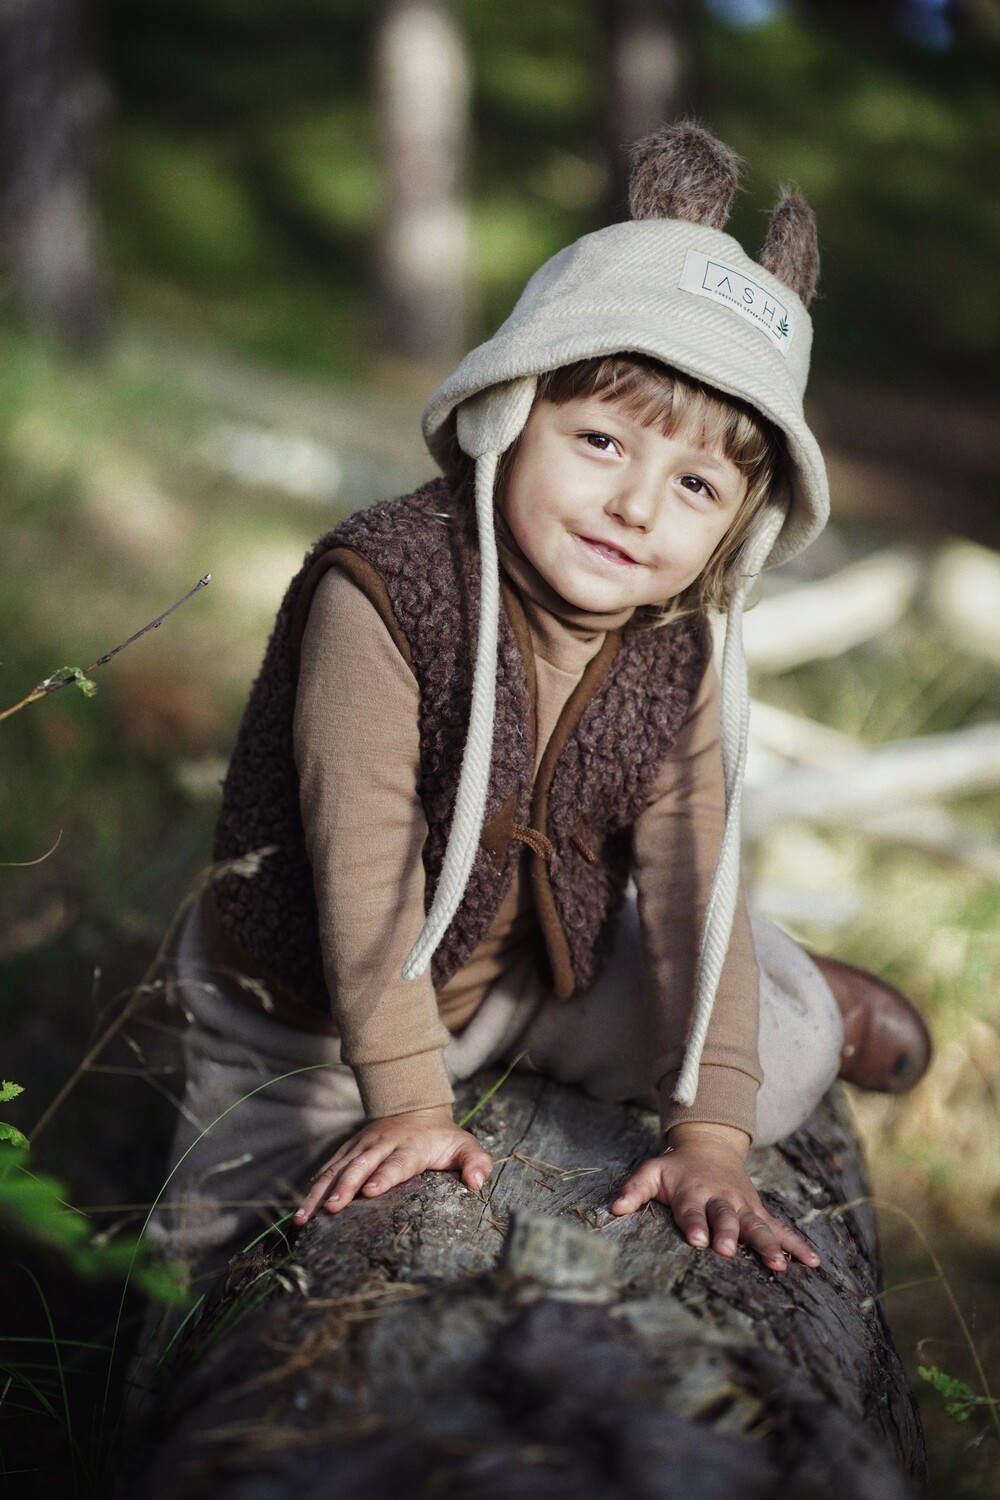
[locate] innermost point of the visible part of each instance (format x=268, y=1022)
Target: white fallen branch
x=823, y=619
x=872, y=783
x=794, y=737
x=822, y=910
x=965, y=595
x=778, y=737
x=936, y=831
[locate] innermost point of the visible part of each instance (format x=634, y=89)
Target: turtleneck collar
x=554, y=622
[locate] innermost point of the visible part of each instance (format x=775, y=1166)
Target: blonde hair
x=657, y=395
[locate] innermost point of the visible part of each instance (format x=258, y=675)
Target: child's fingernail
x=699, y=1237
x=477, y=1180
x=300, y=1215
x=728, y=1246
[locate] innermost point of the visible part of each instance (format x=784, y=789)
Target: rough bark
x=528, y=1344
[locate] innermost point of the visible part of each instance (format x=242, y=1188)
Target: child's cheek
x=524, y=531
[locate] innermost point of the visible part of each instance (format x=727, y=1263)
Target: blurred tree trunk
x=647, y=79
x=422, y=92
x=49, y=100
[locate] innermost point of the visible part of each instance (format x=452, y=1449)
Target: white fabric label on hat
x=707, y=277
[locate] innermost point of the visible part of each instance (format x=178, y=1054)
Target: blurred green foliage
x=241, y=186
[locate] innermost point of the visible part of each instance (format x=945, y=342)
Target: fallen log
x=526, y=1343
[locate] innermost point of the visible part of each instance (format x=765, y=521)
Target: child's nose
x=634, y=504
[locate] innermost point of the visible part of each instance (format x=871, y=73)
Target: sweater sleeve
x=677, y=840
x=357, y=751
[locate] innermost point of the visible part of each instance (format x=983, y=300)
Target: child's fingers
x=718, y=1222
x=377, y=1168
x=475, y=1165
x=315, y=1197
x=723, y=1226
x=336, y=1184
x=759, y=1231
x=398, y=1166
x=355, y=1174
x=796, y=1245
x=691, y=1218
x=640, y=1187
x=318, y=1189
x=758, y=1234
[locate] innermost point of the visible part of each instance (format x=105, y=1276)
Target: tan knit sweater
x=357, y=752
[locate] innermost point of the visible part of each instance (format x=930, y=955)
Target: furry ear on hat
x=682, y=172
x=791, y=249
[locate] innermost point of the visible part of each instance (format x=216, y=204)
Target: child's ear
x=682, y=172
x=791, y=249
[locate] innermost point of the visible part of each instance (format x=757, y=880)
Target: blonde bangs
x=664, y=398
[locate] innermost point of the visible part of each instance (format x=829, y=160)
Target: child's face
x=611, y=512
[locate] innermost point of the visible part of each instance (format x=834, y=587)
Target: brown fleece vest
x=419, y=566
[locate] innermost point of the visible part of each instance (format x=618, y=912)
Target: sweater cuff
x=403, y=1083
x=725, y=1096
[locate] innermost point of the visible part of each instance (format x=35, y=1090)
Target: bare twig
x=68, y=675
x=25, y=864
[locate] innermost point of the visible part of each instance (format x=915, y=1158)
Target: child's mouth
x=608, y=551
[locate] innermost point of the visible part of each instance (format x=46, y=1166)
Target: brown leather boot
x=887, y=1045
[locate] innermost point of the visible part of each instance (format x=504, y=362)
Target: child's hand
x=703, y=1181
x=391, y=1150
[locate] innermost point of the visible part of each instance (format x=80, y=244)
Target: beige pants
x=265, y=1103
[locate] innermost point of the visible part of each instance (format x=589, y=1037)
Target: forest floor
x=124, y=483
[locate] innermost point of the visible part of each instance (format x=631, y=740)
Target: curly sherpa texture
x=605, y=775
x=601, y=781
x=432, y=585
x=791, y=249
x=682, y=172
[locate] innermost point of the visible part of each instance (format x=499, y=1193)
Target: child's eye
x=600, y=441
x=697, y=486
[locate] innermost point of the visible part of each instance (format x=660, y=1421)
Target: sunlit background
x=242, y=240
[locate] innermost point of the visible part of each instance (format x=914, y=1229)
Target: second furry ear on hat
x=791, y=249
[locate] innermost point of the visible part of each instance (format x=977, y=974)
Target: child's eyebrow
x=704, y=458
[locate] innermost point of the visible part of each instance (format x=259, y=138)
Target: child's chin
x=598, y=601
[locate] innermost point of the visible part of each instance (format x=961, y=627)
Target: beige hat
x=670, y=284
x=684, y=294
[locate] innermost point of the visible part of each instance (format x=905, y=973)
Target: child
x=487, y=707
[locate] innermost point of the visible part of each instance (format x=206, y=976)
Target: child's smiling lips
x=609, y=550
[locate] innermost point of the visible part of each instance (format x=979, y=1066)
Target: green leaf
x=75, y=676
x=9, y=1091
x=34, y=1206
x=12, y=1134
x=956, y=1390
